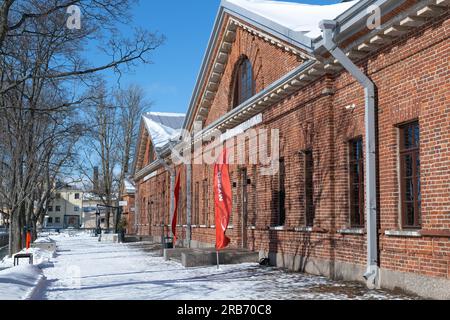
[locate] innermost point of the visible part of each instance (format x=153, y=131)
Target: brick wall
x=129, y=212
x=413, y=80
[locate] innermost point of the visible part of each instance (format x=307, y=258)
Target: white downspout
x=329, y=28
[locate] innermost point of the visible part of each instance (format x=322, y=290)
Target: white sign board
x=123, y=203
x=154, y=174
x=240, y=129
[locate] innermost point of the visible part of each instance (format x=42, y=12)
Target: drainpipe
x=372, y=275
x=188, y=204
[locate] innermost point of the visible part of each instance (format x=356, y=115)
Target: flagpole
x=218, y=266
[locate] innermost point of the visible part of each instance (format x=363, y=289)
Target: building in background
x=128, y=210
x=4, y=215
x=3, y=220
x=157, y=132
x=92, y=205
x=65, y=210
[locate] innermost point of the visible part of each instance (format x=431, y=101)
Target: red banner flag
x=222, y=199
x=175, y=210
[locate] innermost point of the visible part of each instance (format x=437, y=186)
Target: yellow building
x=65, y=211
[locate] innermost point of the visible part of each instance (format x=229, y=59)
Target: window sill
x=351, y=231
x=280, y=228
x=203, y=226
x=304, y=229
x=403, y=233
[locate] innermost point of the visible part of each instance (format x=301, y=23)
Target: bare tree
x=101, y=147
x=114, y=120
x=22, y=18
x=131, y=103
x=42, y=78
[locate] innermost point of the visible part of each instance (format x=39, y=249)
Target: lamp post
x=118, y=214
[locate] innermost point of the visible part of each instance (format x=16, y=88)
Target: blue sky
x=187, y=25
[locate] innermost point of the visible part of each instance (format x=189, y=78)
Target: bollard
x=28, y=240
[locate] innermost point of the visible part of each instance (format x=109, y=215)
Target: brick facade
x=413, y=81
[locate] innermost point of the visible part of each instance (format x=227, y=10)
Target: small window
x=50, y=220
x=76, y=209
x=309, y=188
x=197, y=204
x=205, y=189
x=50, y=209
x=77, y=196
x=356, y=171
x=243, y=83
x=57, y=220
x=58, y=208
x=411, y=196
x=282, y=194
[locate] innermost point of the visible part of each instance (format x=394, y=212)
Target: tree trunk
x=16, y=234
x=34, y=232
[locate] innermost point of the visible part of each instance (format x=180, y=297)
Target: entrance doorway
x=72, y=222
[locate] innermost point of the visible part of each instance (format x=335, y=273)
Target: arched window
x=244, y=87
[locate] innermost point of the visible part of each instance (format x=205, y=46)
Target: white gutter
x=329, y=28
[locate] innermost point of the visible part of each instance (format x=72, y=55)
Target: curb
x=37, y=289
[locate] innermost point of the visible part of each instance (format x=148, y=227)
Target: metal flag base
x=218, y=265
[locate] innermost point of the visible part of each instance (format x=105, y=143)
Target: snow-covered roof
x=129, y=186
x=297, y=17
x=163, y=127
x=89, y=196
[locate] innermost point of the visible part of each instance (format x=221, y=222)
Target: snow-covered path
x=85, y=269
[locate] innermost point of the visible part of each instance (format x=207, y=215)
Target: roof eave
x=201, y=75
x=355, y=18
x=136, y=151
x=297, y=39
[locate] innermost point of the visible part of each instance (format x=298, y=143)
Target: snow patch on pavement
x=44, y=240
x=25, y=282
x=20, y=283
x=86, y=269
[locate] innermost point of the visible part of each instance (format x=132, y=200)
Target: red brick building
x=265, y=71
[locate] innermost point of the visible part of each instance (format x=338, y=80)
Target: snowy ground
x=85, y=269
x=24, y=281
